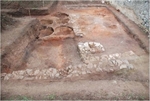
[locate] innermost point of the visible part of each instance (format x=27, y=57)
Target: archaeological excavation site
x=75, y=50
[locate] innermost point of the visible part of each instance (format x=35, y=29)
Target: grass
x=27, y=98
x=20, y=97
x=51, y=97
x=124, y=72
x=123, y=96
x=130, y=96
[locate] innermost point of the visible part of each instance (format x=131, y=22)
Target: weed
x=141, y=97
x=51, y=97
x=23, y=98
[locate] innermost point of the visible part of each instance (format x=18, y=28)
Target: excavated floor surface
x=58, y=63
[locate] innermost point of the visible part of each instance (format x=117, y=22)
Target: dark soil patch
x=23, y=4
x=7, y=21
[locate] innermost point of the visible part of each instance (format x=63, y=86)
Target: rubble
x=105, y=63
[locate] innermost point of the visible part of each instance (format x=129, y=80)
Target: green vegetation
x=51, y=97
x=20, y=97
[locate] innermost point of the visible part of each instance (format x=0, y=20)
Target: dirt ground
x=23, y=4
x=59, y=49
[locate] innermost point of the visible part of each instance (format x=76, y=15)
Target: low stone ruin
x=88, y=48
x=104, y=63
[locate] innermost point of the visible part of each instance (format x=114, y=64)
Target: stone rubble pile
x=73, y=18
x=90, y=47
x=103, y=63
x=30, y=74
x=116, y=60
x=87, y=49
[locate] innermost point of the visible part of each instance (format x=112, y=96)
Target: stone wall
x=136, y=10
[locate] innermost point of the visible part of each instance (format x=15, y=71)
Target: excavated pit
x=46, y=22
x=64, y=31
x=46, y=31
x=78, y=44
x=63, y=18
x=74, y=49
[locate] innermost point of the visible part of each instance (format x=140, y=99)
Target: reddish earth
x=56, y=47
